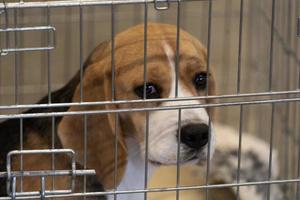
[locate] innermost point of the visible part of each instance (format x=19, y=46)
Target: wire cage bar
x=252, y=49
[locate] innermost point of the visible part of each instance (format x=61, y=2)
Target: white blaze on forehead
x=163, y=125
x=199, y=113
x=171, y=57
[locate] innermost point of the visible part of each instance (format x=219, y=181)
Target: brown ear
x=97, y=54
x=101, y=133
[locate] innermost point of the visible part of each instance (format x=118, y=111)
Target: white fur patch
x=163, y=125
x=163, y=141
x=134, y=177
x=254, y=163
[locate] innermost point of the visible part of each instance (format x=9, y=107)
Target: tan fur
x=129, y=70
x=101, y=133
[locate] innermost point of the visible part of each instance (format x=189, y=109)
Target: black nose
x=194, y=136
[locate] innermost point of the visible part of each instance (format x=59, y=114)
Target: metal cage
x=254, y=44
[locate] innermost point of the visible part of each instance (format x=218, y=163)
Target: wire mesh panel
x=159, y=99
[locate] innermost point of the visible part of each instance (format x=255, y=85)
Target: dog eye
x=200, y=80
x=152, y=91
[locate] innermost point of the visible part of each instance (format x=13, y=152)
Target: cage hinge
x=298, y=27
x=12, y=176
x=7, y=31
x=161, y=4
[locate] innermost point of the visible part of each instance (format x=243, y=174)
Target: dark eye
x=200, y=80
x=152, y=91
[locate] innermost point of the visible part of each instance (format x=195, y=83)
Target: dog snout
x=194, y=136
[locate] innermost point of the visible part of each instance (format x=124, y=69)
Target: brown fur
x=129, y=71
x=129, y=57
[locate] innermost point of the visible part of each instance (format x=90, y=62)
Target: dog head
x=163, y=80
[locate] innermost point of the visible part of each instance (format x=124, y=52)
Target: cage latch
x=50, y=29
x=12, y=176
x=161, y=4
x=6, y=49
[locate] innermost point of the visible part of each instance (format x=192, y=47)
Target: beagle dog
x=127, y=130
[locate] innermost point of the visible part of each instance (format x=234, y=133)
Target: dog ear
x=100, y=128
